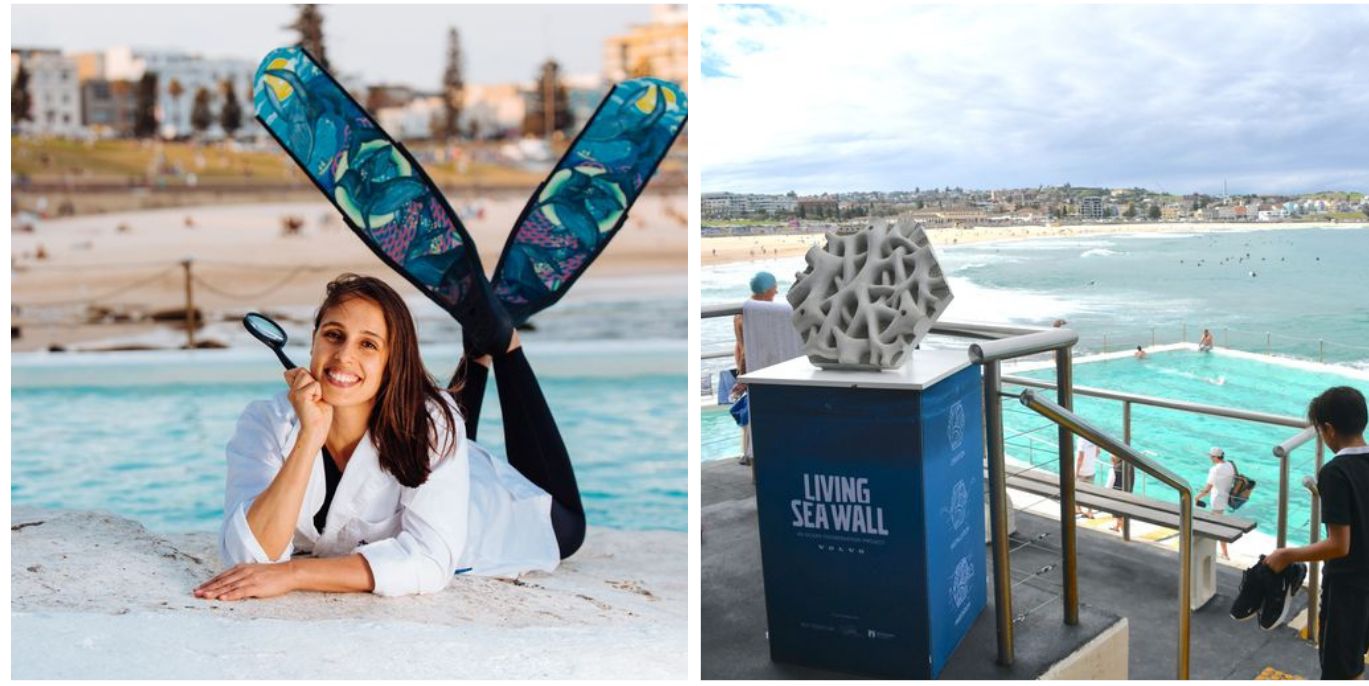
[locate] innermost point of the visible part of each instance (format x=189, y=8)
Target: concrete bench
x=1208, y=528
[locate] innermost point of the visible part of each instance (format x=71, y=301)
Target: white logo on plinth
x=960, y=581
x=960, y=500
x=955, y=425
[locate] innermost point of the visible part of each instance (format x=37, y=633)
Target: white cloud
x=860, y=97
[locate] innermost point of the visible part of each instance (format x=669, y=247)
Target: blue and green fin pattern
x=584, y=202
x=391, y=204
x=383, y=194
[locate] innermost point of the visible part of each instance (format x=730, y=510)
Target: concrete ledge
x=95, y=595
x=1105, y=657
x=1045, y=647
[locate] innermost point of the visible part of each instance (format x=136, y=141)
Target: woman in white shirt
x=362, y=462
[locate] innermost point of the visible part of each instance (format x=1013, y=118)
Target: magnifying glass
x=267, y=331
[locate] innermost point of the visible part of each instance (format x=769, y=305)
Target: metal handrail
x=1181, y=405
x=1281, y=451
x=1313, y=567
x=1081, y=427
x=1018, y=342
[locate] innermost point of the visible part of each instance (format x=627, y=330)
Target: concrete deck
x=1135, y=581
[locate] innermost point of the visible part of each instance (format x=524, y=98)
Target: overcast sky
x=848, y=97
x=394, y=44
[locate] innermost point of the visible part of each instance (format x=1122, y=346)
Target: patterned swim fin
x=584, y=201
x=382, y=192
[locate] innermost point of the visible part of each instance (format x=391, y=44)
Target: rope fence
x=96, y=308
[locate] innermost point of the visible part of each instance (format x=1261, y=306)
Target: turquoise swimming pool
x=143, y=434
x=1179, y=441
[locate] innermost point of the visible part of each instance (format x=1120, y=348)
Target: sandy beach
x=729, y=249
x=94, y=595
x=243, y=260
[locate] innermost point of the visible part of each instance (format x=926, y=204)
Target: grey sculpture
x=867, y=298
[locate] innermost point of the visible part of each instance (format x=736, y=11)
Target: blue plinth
x=870, y=496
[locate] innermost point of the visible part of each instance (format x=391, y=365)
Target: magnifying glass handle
x=285, y=360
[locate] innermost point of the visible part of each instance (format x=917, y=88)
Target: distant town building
x=659, y=48
x=726, y=205
x=492, y=111
x=109, y=108
x=383, y=95
x=1173, y=211
x=1091, y=208
x=818, y=206
x=413, y=120
x=54, y=91
x=190, y=73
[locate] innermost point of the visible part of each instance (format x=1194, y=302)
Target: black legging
x=531, y=439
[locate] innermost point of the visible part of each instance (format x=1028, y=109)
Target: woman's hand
x=306, y=396
x=249, y=581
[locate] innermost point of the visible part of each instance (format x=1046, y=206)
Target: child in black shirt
x=1340, y=416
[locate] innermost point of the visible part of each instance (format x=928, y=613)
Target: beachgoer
x=1085, y=468
x=1205, y=343
x=1117, y=479
x=366, y=462
x=1140, y=353
x=763, y=287
x=1219, y=479
x=1340, y=416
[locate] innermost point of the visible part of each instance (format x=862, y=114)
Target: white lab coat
x=474, y=514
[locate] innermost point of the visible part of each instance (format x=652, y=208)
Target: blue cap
x=762, y=282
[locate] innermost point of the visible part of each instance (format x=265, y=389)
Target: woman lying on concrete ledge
x=362, y=463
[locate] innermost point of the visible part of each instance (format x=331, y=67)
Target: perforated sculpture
x=867, y=298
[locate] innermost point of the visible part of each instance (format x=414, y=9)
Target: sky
x=391, y=44
x=846, y=97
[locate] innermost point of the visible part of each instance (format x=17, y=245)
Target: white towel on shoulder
x=768, y=334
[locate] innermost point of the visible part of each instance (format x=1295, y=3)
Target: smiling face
x=350, y=352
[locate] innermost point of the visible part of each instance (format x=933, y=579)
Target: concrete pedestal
x=869, y=487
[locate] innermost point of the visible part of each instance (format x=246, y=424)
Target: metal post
x=1321, y=350
x=1185, y=580
x=1281, y=538
x=1314, y=568
x=189, y=306
x=998, y=511
x=1268, y=343
x=1064, y=371
x=1128, y=469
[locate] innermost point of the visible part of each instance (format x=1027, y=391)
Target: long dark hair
x=401, y=430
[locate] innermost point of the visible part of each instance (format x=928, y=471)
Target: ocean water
x=1308, y=285
x=143, y=434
